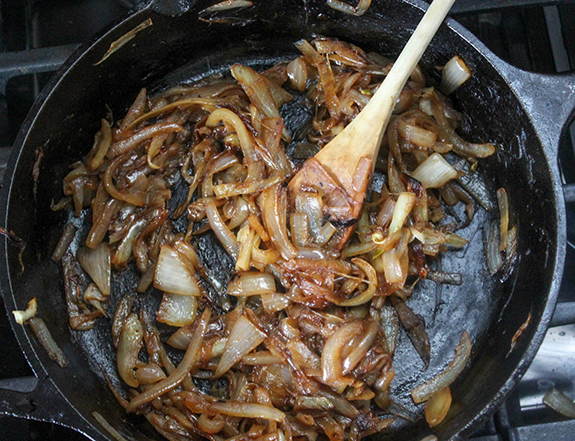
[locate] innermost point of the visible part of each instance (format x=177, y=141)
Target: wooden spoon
x=347, y=161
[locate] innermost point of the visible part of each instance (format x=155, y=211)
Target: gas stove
x=36, y=36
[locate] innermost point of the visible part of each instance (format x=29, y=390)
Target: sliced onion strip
x=434, y=172
x=437, y=406
x=248, y=410
x=46, y=340
x=274, y=209
x=177, y=310
x=97, y=263
x=175, y=378
x=244, y=337
x=368, y=294
x=223, y=233
x=403, y=206
x=174, y=274
x=426, y=390
x=454, y=74
x=331, y=356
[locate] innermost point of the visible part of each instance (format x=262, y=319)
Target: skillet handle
x=39, y=399
x=549, y=100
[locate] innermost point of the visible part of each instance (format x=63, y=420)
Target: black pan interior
x=182, y=48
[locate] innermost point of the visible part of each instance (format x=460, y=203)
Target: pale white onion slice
x=297, y=73
x=22, y=317
x=248, y=410
x=403, y=207
x=454, y=74
x=434, y=172
x=392, y=267
x=311, y=205
x=274, y=302
x=252, y=283
x=299, y=229
x=97, y=263
x=174, y=274
x=244, y=338
x=325, y=234
x=177, y=310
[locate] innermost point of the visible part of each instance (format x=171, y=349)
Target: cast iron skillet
x=523, y=114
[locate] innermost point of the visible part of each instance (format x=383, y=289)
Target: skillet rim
x=503, y=69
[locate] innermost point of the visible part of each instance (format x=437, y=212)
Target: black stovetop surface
x=530, y=34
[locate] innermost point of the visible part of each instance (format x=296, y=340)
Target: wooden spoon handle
x=411, y=54
x=362, y=137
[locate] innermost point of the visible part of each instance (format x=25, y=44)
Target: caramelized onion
x=129, y=347
x=248, y=410
x=331, y=356
x=274, y=208
x=174, y=274
x=426, y=390
x=176, y=377
x=97, y=264
x=437, y=406
x=305, y=327
x=244, y=337
x=225, y=236
x=358, y=10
